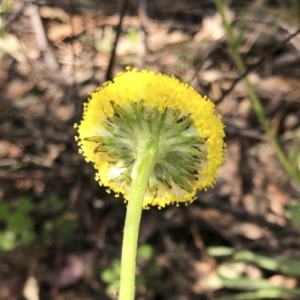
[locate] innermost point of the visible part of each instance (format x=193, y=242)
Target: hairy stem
x=140, y=177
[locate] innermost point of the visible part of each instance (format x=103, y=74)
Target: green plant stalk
x=256, y=104
x=140, y=178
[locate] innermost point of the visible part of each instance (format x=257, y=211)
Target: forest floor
x=60, y=233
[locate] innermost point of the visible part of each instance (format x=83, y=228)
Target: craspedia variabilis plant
x=153, y=139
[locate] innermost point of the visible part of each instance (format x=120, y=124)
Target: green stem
x=140, y=178
x=256, y=104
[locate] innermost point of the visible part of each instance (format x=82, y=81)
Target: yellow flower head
x=121, y=117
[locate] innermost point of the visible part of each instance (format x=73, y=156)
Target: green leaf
x=108, y=276
x=293, y=213
x=111, y=275
x=25, y=205
x=262, y=294
x=19, y=223
x=145, y=251
x=55, y=204
x=277, y=263
x=7, y=240
x=220, y=251
x=4, y=211
x=246, y=283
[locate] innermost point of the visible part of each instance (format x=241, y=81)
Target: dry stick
x=41, y=37
x=248, y=68
x=74, y=65
x=109, y=75
x=142, y=46
x=258, y=64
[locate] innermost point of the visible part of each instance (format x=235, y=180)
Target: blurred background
x=61, y=234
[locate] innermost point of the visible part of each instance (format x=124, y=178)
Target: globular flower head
x=122, y=116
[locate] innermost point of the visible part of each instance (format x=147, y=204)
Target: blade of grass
x=262, y=294
x=233, y=43
x=277, y=263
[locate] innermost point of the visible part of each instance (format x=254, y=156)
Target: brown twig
x=142, y=46
x=109, y=75
x=258, y=64
x=41, y=37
